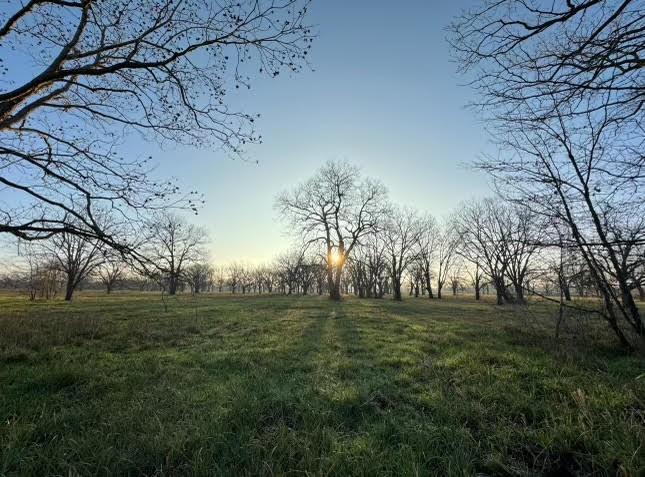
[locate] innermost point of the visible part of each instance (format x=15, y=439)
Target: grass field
x=221, y=385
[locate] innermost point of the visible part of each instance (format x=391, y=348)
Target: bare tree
x=220, y=278
x=377, y=266
x=171, y=246
x=447, y=242
x=336, y=208
x=476, y=276
x=401, y=233
x=76, y=256
x=544, y=56
x=562, y=88
x=269, y=278
x=288, y=267
x=258, y=273
x=199, y=276
x=484, y=234
x=526, y=235
x=456, y=276
x=415, y=275
x=81, y=75
x=247, y=279
x=427, y=246
x=235, y=271
x=111, y=270
x=42, y=275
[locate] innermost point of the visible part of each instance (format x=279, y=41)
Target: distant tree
x=476, y=276
x=377, y=265
x=235, y=271
x=111, y=270
x=503, y=240
x=456, y=277
x=41, y=275
x=447, y=243
x=484, y=237
x=81, y=75
x=76, y=256
x=269, y=278
x=172, y=245
x=415, y=274
x=199, y=276
x=527, y=238
x=246, y=279
x=288, y=266
x=335, y=208
x=220, y=278
x=426, y=250
x=401, y=233
x=368, y=267
x=258, y=273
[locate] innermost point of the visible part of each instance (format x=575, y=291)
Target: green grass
x=283, y=385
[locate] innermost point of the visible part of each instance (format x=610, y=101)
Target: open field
x=222, y=385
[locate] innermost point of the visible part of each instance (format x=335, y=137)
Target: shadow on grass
x=278, y=386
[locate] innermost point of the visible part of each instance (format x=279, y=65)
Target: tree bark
x=172, y=285
x=69, y=289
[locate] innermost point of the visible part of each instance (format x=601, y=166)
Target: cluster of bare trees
x=173, y=257
x=379, y=247
x=562, y=86
x=79, y=77
x=290, y=273
x=370, y=247
x=334, y=211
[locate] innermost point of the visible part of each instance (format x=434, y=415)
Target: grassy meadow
x=272, y=385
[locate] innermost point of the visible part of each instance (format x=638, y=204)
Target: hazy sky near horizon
x=383, y=94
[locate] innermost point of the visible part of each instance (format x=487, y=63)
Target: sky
x=382, y=93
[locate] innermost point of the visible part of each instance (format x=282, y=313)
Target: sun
x=334, y=257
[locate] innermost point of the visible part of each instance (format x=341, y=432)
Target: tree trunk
x=633, y=313
x=334, y=293
x=429, y=286
x=69, y=289
x=500, y=296
x=334, y=283
x=519, y=293
x=477, y=286
x=172, y=285
x=567, y=292
x=396, y=289
x=611, y=318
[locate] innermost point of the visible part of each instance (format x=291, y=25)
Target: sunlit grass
x=285, y=385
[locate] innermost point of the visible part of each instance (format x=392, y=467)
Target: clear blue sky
x=384, y=94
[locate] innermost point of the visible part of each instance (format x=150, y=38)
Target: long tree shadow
x=269, y=386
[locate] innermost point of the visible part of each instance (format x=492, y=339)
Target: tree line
x=376, y=247
x=560, y=86
x=348, y=239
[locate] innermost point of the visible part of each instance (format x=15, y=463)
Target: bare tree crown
x=77, y=77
